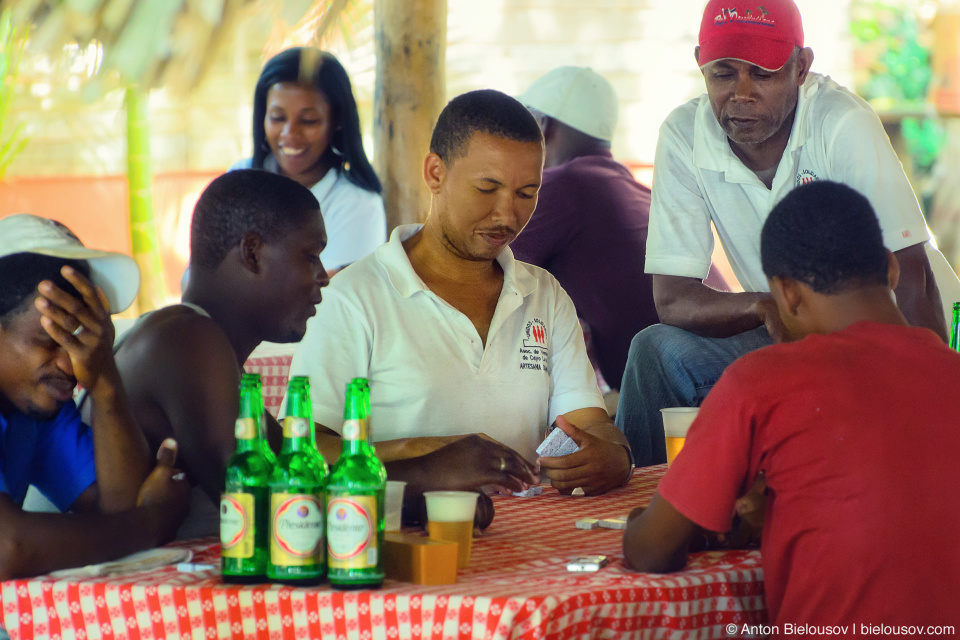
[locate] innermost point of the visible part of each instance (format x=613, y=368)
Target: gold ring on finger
x=503, y=463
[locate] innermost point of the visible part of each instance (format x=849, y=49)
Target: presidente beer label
x=236, y=525
x=352, y=532
x=245, y=429
x=297, y=530
x=296, y=427
x=354, y=429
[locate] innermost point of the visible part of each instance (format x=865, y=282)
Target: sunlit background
x=901, y=55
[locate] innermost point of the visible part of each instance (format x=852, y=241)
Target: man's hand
x=770, y=317
x=473, y=462
x=599, y=466
x=166, y=489
x=747, y=524
x=750, y=508
x=82, y=327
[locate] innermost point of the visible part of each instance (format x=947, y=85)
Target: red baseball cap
x=761, y=34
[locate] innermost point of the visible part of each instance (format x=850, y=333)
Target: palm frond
x=12, y=42
x=323, y=24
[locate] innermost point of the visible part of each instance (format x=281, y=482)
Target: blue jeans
x=670, y=367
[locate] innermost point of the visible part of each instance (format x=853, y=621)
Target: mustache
x=501, y=229
x=54, y=378
x=750, y=115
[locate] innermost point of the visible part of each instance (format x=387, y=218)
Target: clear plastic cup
x=676, y=423
x=450, y=518
x=394, y=505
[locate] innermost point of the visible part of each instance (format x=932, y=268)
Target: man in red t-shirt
x=856, y=429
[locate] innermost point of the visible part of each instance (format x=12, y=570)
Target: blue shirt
x=54, y=455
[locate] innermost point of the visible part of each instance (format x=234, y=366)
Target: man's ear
x=547, y=127
x=434, y=171
x=788, y=293
x=893, y=270
x=804, y=62
x=251, y=247
x=696, y=55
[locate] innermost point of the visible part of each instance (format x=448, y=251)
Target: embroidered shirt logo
x=758, y=16
x=536, y=334
x=533, y=353
x=806, y=177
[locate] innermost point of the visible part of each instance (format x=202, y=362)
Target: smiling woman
x=306, y=127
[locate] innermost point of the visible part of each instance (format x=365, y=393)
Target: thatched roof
x=169, y=43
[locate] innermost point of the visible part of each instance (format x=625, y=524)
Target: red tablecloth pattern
x=274, y=371
x=516, y=587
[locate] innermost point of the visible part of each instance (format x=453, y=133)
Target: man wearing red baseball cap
x=766, y=125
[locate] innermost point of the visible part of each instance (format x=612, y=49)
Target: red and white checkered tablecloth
x=516, y=587
x=274, y=371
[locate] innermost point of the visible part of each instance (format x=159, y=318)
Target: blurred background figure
x=306, y=127
x=590, y=226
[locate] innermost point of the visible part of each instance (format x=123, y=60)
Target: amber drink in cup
x=676, y=423
x=450, y=518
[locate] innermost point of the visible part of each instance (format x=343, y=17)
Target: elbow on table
x=12, y=555
x=647, y=560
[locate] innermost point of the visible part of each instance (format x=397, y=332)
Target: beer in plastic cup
x=394, y=505
x=450, y=518
x=676, y=423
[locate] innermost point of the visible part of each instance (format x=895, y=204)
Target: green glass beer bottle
x=366, y=445
x=297, y=504
x=955, y=329
x=244, y=505
x=355, y=508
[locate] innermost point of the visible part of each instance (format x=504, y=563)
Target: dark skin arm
x=37, y=543
x=184, y=378
x=456, y=463
x=330, y=444
x=689, y=304
x=917, y=294
x=120, y=450
x=658, y=538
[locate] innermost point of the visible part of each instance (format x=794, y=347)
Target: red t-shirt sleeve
x=710, y=473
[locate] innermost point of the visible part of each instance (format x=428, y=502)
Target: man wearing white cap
x=766, y=125
x=590, y=227
x=56, y=297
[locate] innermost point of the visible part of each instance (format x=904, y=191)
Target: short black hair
x=826, y=235
x=484, y=111
x=319, y=70
x=242, y=201
x=20, y=273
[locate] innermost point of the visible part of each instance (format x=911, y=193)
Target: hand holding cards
x=557, y=444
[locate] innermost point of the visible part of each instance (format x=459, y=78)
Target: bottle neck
x=355, y=437
x=248, y=434
x=297, y=434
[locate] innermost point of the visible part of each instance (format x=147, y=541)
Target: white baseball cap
x=579, y=97
x=115, y=273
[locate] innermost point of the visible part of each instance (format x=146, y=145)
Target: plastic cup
x=676, y=423
x=450, y=518
x=394, y=506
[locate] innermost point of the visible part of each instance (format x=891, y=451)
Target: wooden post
x=143, y=232
x=411, y=41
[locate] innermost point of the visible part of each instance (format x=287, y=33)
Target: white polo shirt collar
x=711, y=149
x=405, y=280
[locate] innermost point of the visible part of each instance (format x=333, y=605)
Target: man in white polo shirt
x=765, y=126
x=456, y=336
